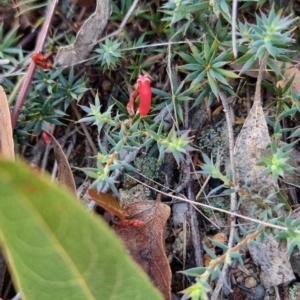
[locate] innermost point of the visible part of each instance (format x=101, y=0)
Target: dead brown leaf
x=86, y=38
x=220, y=238
x=6, y=134
x=250, y=146
x=289, y=72
x=207, y=259
x=109, y=203
x=65, y=175
x=218, y=110
x=146, y=243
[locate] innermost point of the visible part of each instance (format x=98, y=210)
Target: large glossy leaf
x=56, y=249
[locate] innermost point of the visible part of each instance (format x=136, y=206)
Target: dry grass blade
x=65, y=175
x=6, y=135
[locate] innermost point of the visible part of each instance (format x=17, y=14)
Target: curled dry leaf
x=6, y=135
x=65, y=175
x=109, y=203
x=86, y=38
x=146, y=243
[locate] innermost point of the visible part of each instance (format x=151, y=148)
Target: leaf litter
x=146, y=244
x=250, y=146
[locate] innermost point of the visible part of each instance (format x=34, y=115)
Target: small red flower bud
x=40, y=60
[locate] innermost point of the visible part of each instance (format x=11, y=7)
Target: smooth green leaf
x=296, y=133
x=289, y=113
x=58, y=250
x=248, y=64
x=227, y=73
x=194, y=272
x=207, y=53
x=218, y=76
x=212, y=84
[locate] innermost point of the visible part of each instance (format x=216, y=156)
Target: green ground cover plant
x=186, y=47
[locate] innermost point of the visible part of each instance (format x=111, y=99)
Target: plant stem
x=31, y=70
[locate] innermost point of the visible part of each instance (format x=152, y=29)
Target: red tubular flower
x=145, y=93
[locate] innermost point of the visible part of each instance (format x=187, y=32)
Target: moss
x=214, y=140
x=219, y=202
x=295, y=291
x=147, y=166
x=137, y=193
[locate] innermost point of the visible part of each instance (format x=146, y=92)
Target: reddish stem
x=31, y=70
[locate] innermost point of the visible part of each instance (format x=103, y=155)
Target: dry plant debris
x=6, y=135
x=146, y=243
x=86, y=38
x=250, y=146
x=65, y=175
